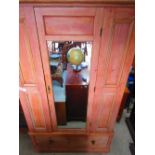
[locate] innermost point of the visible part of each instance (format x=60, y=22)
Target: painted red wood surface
x=112, y=55
x=68, y=25
x=32, y=86
x=72, y=141
x=117, y=48
x=95, y=15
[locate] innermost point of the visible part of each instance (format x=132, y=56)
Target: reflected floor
x=60, y=92
x=73, y=124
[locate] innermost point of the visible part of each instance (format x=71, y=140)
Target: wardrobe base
x=74, y=142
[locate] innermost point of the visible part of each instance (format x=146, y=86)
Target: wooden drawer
x=69, y=142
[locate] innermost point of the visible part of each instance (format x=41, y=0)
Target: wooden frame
x=109, y=70
x=32, y=79
x=92, y=12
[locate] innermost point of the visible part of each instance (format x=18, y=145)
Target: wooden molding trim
x=76, y=1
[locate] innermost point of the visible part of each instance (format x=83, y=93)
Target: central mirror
x=69, y=63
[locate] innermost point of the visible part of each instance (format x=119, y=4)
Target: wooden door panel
x=32, y=86
x=35, y=107
x=115, y=58
x=69, y=24
x=120, y=36
x=117, y=29
x=102, y=108
x=105, y=107
x=66, y=23
x=26, y=65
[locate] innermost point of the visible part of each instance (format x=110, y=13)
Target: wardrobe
x=109, y=25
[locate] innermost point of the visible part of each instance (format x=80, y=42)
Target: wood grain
x=33, y=98
x=94, y=67
x=71, y=142
x=68, y=25
x=114, y=51
x=61, y=113
x=112, y=56
x=75, y=1
x=67, y=12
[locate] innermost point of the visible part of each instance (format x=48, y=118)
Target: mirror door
x=69, y=42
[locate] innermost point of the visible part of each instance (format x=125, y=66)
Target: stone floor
x=120, y=144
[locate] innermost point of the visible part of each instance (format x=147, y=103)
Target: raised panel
x=105, y=108
x=68, y=25
x=27, y=77
x=26, y=62
x=35, y=108
x=120, y=34
x=116, y=51
x=102, y=108
x=117, y=28
x=33, y=95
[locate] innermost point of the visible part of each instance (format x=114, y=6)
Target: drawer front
x=75, y=143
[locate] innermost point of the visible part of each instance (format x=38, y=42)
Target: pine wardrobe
x=109, y=26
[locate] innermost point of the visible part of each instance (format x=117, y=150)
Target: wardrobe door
x=115, y=59
x=32, y=89
x=69, y=24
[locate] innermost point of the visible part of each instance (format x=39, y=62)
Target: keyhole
x=48, y=89
x=93, y=142
x=51, y=141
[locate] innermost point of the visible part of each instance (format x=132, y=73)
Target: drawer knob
x=51, y=141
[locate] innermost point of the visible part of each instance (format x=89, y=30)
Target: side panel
x=115, y=59
x=33, y=95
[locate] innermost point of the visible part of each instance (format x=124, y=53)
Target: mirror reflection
x=70, y=67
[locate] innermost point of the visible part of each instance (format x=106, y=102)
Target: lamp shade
x=75, y=56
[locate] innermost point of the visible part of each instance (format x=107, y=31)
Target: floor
x=120, y=144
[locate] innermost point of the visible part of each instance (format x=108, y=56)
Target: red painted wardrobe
x=109, y=24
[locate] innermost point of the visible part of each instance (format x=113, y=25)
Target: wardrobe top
x=76, y=1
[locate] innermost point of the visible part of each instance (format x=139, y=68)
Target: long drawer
x=72, y=143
